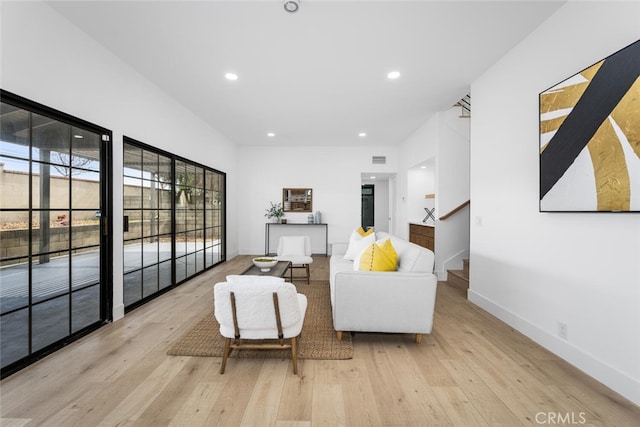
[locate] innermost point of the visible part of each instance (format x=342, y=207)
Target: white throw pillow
x=357, y=244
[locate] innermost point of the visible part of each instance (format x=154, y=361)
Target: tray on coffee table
x=277, y=270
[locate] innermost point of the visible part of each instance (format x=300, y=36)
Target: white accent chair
x=297, y=250
x=252, y=309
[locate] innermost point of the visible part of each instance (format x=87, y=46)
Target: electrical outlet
x=563, y=330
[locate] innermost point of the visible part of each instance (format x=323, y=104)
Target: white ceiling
x=316, y=77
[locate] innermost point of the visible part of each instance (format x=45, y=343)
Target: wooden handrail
x=456, y=210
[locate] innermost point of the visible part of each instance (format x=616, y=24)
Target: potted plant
x=274, y=211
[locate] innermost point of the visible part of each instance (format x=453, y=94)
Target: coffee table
x=277, y=270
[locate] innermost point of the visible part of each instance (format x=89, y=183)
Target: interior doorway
x=377, y=206
x=367, y=214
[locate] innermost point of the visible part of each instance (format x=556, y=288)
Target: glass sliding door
x=53, y=277
x=189, y=220
x=164, y=222
x=214, y=218
x=148, y=227
x=173, y=216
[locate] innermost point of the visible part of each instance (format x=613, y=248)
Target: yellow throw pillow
x=365, y=233
x=379, y=257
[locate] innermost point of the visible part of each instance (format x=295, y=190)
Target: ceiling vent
x=379, y=160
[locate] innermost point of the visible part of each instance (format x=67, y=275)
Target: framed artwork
x=590, y=138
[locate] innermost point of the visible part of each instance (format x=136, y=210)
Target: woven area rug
x=317, y=341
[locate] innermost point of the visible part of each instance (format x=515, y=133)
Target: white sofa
x=401, y=301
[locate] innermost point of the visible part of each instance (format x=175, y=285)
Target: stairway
x=465, y=104
x=459, y=278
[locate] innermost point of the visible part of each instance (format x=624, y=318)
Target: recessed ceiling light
x=423, y=167
x=362, y=134
x=393, y=75
x=231, y=76
x=291, y=6
x=78, y=136
x=271, y=134
x=372, y=177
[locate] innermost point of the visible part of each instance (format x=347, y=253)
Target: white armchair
x=251, y=308
x=297, y=250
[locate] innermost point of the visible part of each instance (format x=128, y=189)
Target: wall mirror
x=297, y=200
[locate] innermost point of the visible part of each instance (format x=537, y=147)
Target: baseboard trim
x=587, y=363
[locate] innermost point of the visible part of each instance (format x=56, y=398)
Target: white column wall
x=46, y=59
x=452, y=166
x=532, y=269
x=418, y=148
x=420, y=182
x=443, y=141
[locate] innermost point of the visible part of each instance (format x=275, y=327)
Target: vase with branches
x=274, y=211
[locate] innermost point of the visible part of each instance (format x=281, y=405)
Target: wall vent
x=379, y=160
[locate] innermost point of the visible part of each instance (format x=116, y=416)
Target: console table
x=318, y=234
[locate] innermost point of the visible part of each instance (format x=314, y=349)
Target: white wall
x=420, y=182
x=452, y=162
x=534, y=269
x=442, y=143
x=47, y=60
x=420, y=147
x=332, y=172
x=452, y=171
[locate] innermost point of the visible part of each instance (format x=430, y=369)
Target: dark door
x=367, y=212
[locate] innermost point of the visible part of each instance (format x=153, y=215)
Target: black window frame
x=106, y=237
x=176, y=281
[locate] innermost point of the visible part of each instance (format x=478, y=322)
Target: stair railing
x=455, y=210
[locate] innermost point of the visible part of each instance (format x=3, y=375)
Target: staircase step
x=457, y=279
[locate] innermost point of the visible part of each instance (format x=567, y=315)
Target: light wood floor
x=472, y=370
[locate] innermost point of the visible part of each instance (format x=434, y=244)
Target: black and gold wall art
x=590, y=138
